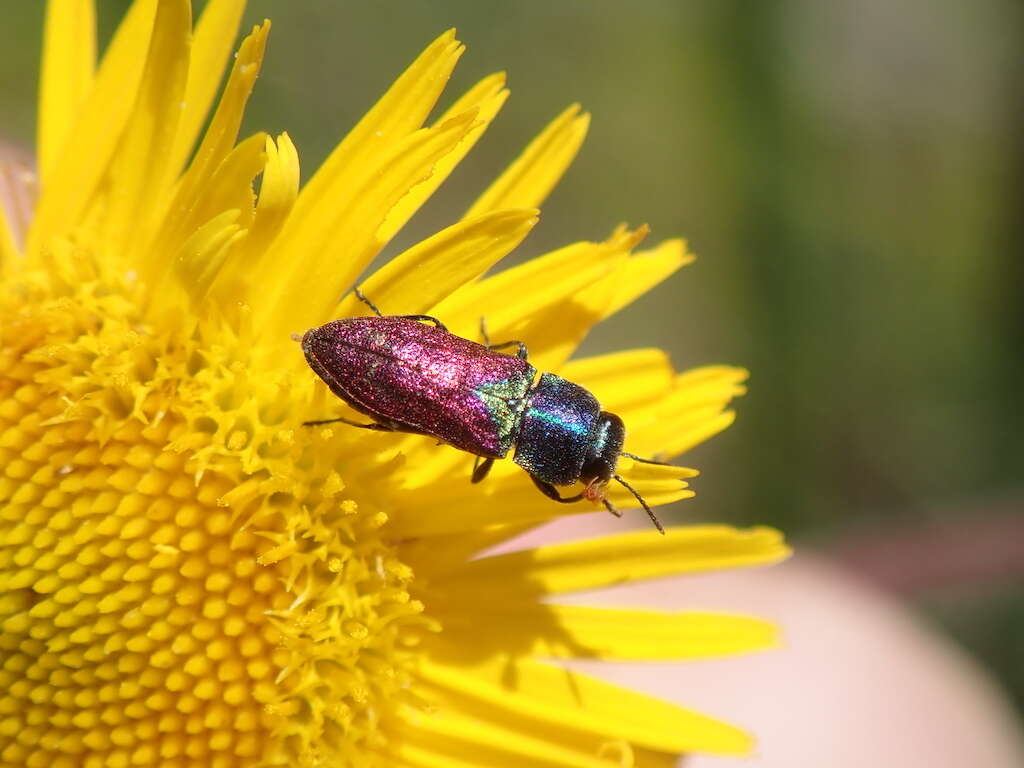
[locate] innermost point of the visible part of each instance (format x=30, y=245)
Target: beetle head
x=602, y=454
x=599, y=467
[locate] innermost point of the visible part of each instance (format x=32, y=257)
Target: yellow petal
x=442, y=733
x=398, y=113
x=576, y=631
x=553, y=696
x=91, y=142
x=317, y=261
x=487, y=98
x=69, y=57
x=211, y=46
x=139, y=169
x=643, y=271
x=528, y=181
x=690, y=413
x=621, y=558
x=202, y=255
x=220, y=137
x=404, y=754
x=430, y=751
x=215, y=224
x=705, y=383
x=703, y=427
x=228, y=187
x=429, y=557
x=630, y=279
x=642, y=758
x=218, y=141
x=417, y=279
x=278, y=191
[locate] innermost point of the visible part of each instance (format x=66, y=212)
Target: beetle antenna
x=647, y=509
x=367, y=302
x=642, y=460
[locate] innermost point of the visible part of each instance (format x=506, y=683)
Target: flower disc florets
x=180, y=562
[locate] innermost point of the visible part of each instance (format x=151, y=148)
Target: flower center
x=182, y=577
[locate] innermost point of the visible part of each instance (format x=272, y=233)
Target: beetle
x=408, y=373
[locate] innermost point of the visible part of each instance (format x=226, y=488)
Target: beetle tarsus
x=481, y=468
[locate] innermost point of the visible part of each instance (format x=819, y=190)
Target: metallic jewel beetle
x=410, y=374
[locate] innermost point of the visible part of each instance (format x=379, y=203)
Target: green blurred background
x=851, y=176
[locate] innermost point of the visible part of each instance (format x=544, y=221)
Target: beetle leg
x=611, y=508
x=481, y=468
x=374, y=426
x=552, y=493
x=367, y=302
x=521, y=352
x=425, y=319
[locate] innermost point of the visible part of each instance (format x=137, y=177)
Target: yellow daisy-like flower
x=188, y=576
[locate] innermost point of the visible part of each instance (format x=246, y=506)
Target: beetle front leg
x=521, y=352
x=552, y=493
x=373, y=307
x=367, y=302
x=425, y=319
x=481, y=468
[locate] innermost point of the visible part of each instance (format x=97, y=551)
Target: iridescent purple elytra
x=419, y=378
x=411, y=376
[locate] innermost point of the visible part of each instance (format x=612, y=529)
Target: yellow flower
x=188, y=576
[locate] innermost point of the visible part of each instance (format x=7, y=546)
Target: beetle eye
x=605, y=447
